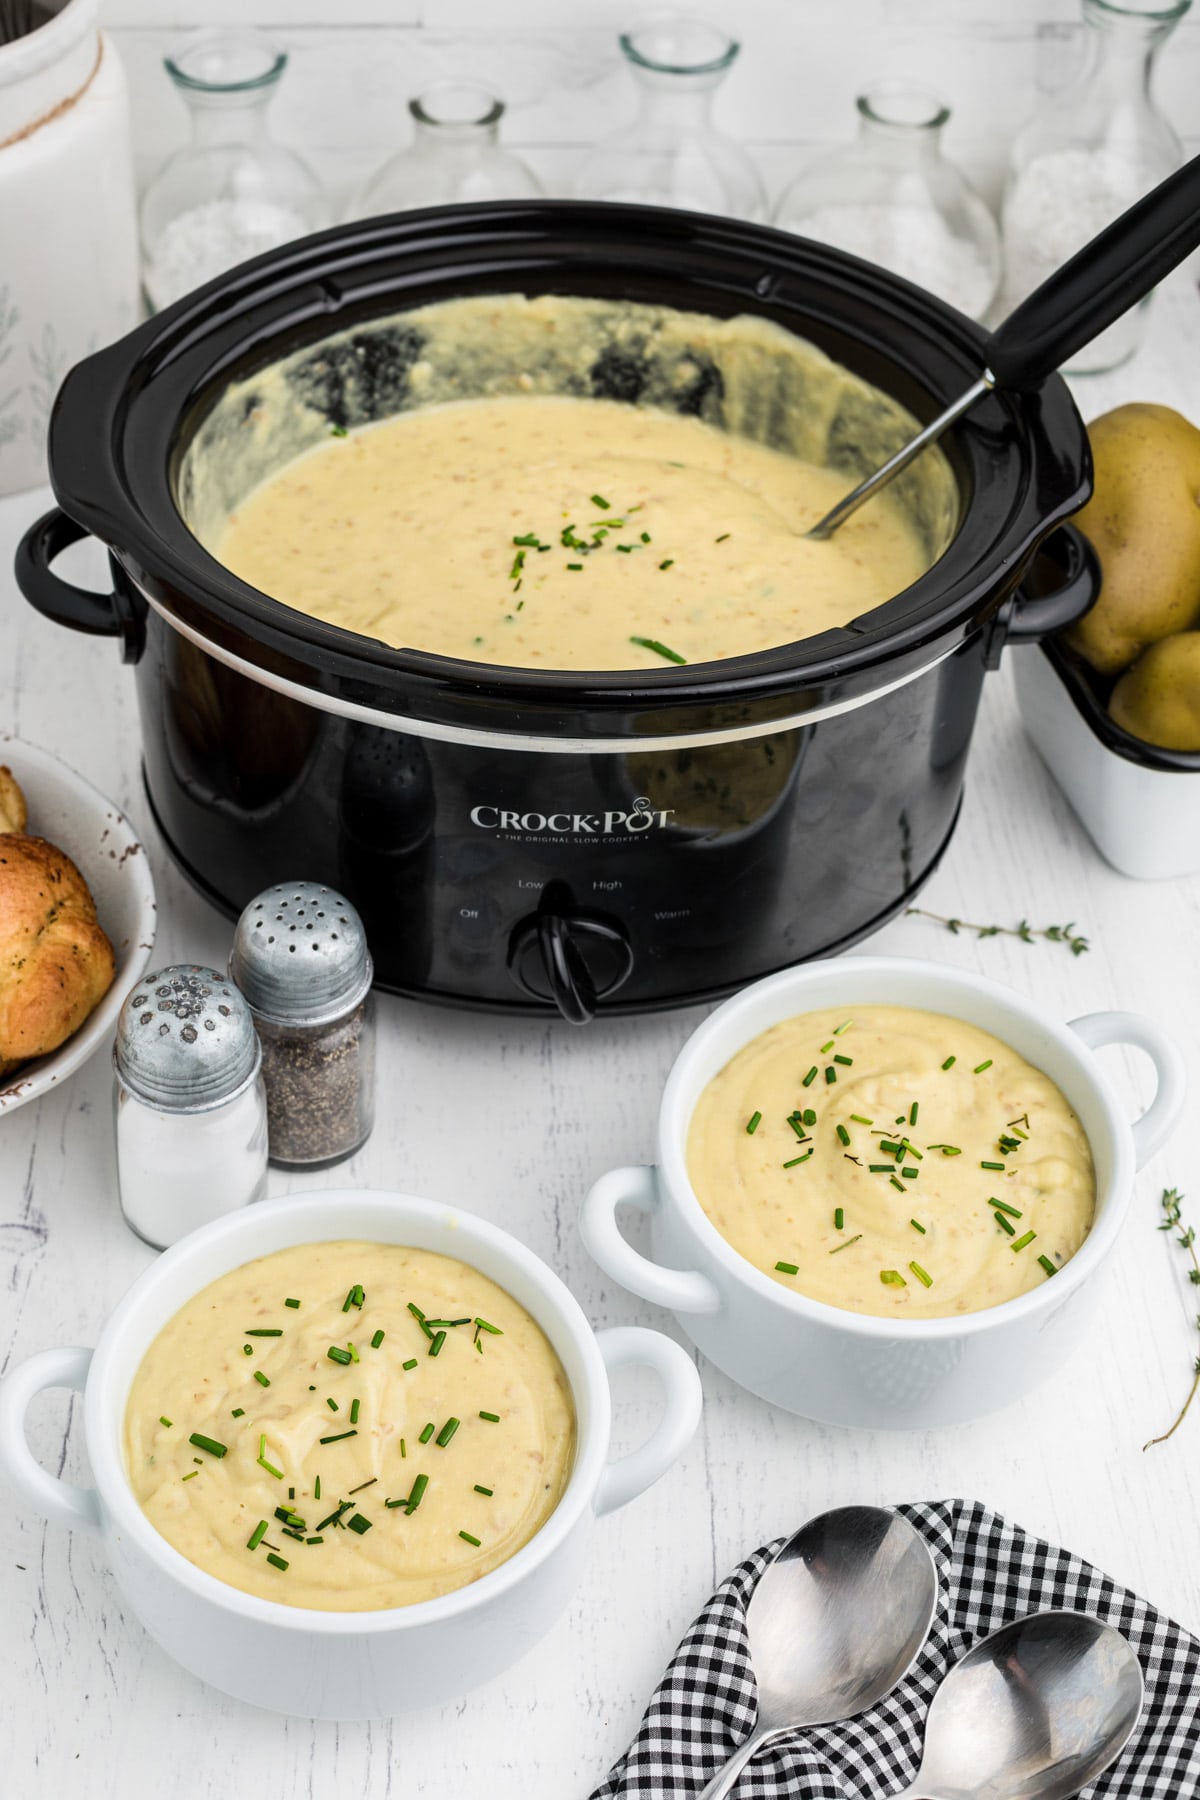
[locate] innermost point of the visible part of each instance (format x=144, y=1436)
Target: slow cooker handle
x=81, y=609
x=1028, y=617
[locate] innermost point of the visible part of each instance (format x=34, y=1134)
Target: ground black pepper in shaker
x=300, y=958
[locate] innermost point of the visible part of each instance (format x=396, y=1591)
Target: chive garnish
x=410, y=1364
x=338, y=431
x=273, y=1332
x=247, y=1349
x=839, y=1218
x=809, y=1116
x=798, y=1159
x=797, y=1124
x=858, y=1119
x=667, y=563
x=257, y=1535
x=949, y=1062
x=826, y=1048
x=418, y=1489
x=831, y=1074
x=753, y=1123
x=338, y=1355
x=377, y=1340
x=165, y=1422
x=919, y=1272
x=1003, y=1206
x=980, y=1067
x=897, y=1184
x=946, y=1149
x=277, y=1562
x=879, y=1168
x=992, y=1165
x=261, y=1458
x=910, y=1174
x=847, y=1244
x=261, y=1379
x=190, y=1476
x=891, y=1147
x=314, y=1540
x=469, y=1538
x=912, y=1112
x=446, y=1433
x=482, y=1490
x=403, y=1448
x=1020, y=1243
x=210, y=1444
x=331, y=1403
x=644, y=643
x=355, y=1297
x=788, y=1268
x=892, y=1278
x=722, y=538
x=419, y=1316
x=844, y=1026
x=1003, y=1223
x=810, y=1077
x=359, y=1524
x=492, y=1330
x=337, y=1437
x=847, y=1062
x=843, y=1134
x=1050, y=1268
x=601, y=502
x=426, y=1433
x=335, y=1517
x=291, y=1303
x=317, y=1488
x=492, y=1418
x=239, y=1412
x=437, y=1343
x=917, y=1227
x=354, y=1412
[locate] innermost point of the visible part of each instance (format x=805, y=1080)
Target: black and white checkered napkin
x=989, y=1573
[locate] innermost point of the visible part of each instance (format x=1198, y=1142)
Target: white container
x=68, y=222
x=1139, y=805
x=845, y=1368
x=345, y=1665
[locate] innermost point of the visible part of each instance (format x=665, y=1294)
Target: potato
x=1158, y=699
x=1144, y=521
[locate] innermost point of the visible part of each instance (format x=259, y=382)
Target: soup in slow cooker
x=563, y=483
x=350, y=1426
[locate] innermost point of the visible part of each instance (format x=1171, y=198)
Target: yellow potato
x=1158, y=699
x=1144, y=521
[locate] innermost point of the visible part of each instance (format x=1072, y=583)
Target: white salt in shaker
x=189, y=1104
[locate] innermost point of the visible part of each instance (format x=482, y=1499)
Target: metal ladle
x=1034, y=1712
x=834, y=1623
x=1103, y=280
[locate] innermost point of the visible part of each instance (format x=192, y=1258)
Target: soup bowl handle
x=622, y=1346
x=681, y=1290
x=56, y=1500
x=1160, y=1118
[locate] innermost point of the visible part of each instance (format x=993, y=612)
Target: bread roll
x=56, y=964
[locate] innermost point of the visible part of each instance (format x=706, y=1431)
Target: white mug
x=345, y=1665
x=847, y=1368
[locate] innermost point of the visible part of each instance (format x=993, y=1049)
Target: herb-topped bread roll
x=56, y=964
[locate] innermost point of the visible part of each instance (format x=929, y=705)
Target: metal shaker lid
x=300, y=954
x=186, y=1039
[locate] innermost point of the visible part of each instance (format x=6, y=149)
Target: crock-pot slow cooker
x=531, y=839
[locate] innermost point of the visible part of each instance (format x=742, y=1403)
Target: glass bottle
x=456, y=154
x=672, y=153
x=231, y=192
x=893, y=197
x=1087, y=153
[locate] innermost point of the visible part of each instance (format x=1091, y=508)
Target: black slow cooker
x=526, y=839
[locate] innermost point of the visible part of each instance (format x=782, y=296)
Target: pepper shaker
x=300, y=957
x=189, y=1105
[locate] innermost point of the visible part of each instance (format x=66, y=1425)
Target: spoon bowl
x=1034, y=1712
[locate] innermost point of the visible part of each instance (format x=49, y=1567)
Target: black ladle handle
x=1108, y=276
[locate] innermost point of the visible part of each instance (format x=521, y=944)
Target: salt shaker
x=189, y=1104
x=300, y=957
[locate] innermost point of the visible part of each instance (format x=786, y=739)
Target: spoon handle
x=725, y=1780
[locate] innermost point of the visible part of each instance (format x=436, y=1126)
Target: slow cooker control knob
x=573, y=959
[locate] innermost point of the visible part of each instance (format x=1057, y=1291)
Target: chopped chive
x=261, y=1458
x=949, y=1062
x=257, y=1535
x=839, y=1218
x=337, y=1437
x=314, y=1540
x=1050, y=1268
x=403, y=1448
x=354, y=1412
x=446, y=1433
x=826, y=1048
x=788, y=1268
x=239, y=1412
x=377, y=1340
x=924, y=1279
x=980, y=1067
x=355, y=1297
x=483, y=1490
x=210, y=1444
x=1003, y=1223
x=352, y=1350
x=469, y=1538
x=843, y=1134
x=668, y=563
x=809, y=1116
x=359, y=1524
x=844, y=1026
x=891, y=1146
x=261, y=1379
x=437, y=1343
x=317, y=1488
x=798, y=1159
x=337, y=431
x=796, y=1122
x=847, y=1062
x=1003, y=1206
x=277, y=1562
x=859, y=1119
x=917, y=1227
x=418, y=1489
x=335, y=1517
x=331, y=1403
x=831, y=1074
x=892, y=1278
x=911, y=1150
x=946, y=1149
x=247, y=1349
x=879, y=1168
x=644, y=643
x=492, y=1418
x=847, y=1244
x=755, y=1120
x=910, y=1174
x=410, y=1364
x=165, y=1422
x=338, y=1355
x=722, y=538
x=992, y=1165
x=897, y=1184
x=273, y=1332
x=645, y=537
x=912, y=1112
x=419, y=1316
x=291, y=1303
x=601, y=502
x=1020, y=1243
x=190, y=1476
x=427, y=1433
x=810, y=1077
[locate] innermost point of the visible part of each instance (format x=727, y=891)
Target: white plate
x=68, y=812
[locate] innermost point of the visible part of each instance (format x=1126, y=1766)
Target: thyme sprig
x=1172, y=1203
x=1075, y=942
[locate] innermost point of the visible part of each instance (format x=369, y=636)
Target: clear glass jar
x=455, y=155
x=893, y=197
x=320, y=1081
x=180, y=1168
x=231, y=192
x=672, y=154
x=1085, y=156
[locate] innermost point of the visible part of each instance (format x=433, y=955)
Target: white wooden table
x=515, y=1120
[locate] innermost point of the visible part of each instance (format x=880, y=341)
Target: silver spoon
x=1108, y=276
x=1034, y=1712
x=834, y=1623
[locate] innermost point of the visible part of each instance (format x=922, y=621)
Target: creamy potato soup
x=565, y=533
x=892, y=1161
x=350, y=1426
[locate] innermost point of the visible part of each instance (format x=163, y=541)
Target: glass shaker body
x=672, y=153
x=893, y=197
x=180, y=1169
x=456, y=155
x=1087, y=154
x=231, y=192
x=320, y=1082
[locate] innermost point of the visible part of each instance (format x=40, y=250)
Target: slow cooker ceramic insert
x=536, y=839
